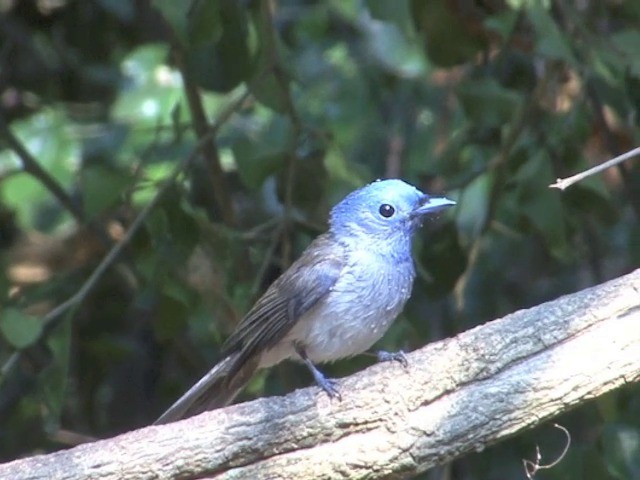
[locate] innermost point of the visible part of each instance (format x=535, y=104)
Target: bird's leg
x=329, y=385
x=399, y=356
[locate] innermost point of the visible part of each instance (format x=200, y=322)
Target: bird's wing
x=302, y=286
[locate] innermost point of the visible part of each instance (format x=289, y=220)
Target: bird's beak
x=431, y=205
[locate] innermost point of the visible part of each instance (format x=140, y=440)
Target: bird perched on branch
x=335, y=301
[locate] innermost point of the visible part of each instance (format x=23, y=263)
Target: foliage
x=229, y=128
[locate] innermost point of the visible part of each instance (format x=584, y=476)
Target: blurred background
x=295, y=103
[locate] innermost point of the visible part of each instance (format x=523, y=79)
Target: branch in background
x=54, y=316
x=33, y=168
x=209, y=150
x=257, y=285
x=563, y=183
x=274, y=64
x=396, y=147
x=457, y=396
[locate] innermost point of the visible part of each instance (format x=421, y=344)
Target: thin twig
x=52, y=318
x=268, y=258
x=613, y=146
x=532, y=467
x=563, y=183
x=259, y=230
x=583, y=36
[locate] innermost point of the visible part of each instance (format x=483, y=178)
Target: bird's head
x=388, y=210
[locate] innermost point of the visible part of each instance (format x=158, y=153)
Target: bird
x=335, y=301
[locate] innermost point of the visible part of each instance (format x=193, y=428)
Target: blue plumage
x=335, y=301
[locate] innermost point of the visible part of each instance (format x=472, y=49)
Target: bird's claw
x=329, y=385
x=398, y=356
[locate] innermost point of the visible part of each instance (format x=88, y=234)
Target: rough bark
x=457, y=395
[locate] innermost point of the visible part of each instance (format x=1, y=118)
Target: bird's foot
x=329, y=385
x=399, y=356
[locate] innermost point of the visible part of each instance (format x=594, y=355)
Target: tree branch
x=53, y=317
x=32, y=167
x=209, y=149
x=563, y=183
x=457, y=396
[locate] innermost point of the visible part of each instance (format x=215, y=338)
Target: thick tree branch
x=457, y=396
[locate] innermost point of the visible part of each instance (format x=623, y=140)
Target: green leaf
x=503, y=22
x=449, y=40
x=152, y=91
x=204, y=22
x=488, y=103
x=103, y=187
x=175, y=13
x=184, y=231
x=270, y=91
x=391, y=49
x=550, y=41
x=348, y=9
x=122, y=9
x=173, y=234
x=140, y=65
x=54, y=378
x=626, y=45
x=397, y=13
x=171, y=320
x=473, y=207
x=221, y=64
x=20, y=329
x=340, y=169
x=178, y=291
x=261, y=153
x=540, y=205
x=270, y=83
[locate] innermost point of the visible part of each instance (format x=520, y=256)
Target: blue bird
x=335, y=301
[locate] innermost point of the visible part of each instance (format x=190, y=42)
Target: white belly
x=352, y=317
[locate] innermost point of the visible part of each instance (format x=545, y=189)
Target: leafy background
x=217, y=134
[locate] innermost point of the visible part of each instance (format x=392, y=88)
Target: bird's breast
x=359, y=309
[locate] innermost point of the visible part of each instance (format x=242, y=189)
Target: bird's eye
x=386, y=210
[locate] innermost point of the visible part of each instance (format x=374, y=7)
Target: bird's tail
x=215, y=390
